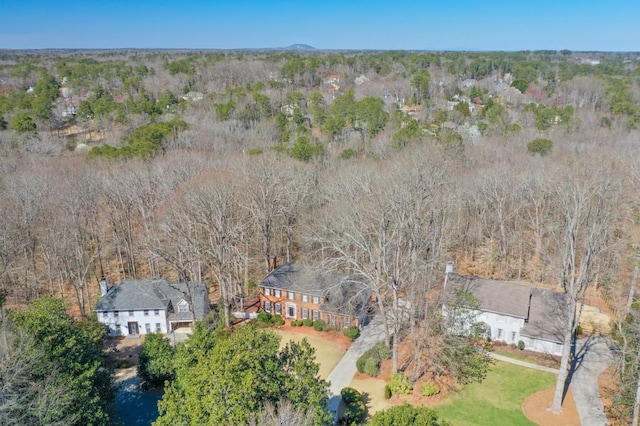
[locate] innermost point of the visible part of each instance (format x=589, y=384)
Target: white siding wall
x=542, y=346
x=508, y=324
x=119, y=325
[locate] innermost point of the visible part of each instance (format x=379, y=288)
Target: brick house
x=299, y=292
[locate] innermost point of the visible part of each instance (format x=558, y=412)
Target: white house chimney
x=104, y=288
x=448, y=270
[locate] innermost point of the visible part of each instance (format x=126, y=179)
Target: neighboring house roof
x=547, y=316
x=342, y=294
x=495, y=296
x=134, y=295
x=543, y=310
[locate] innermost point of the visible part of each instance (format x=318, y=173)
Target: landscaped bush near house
x=319, y=325
x=399, y=384
x=429, y=390
x=387, y=392
x=370, y=361
x=352, y=332
x=264, y=317
x=296, y=323
x=371, y=367
x=277, y=320
x=360, y=364
x=354, y=406
x=488, y=346
x=520, y=344
x=383, y=352
x=307, y=322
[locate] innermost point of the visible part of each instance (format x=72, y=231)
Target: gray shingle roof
x=547, y=318
x=543, y=310
x=301, y=279
x=495, y=296
x=132, y=295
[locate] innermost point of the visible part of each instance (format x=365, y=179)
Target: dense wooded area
x=201, y=165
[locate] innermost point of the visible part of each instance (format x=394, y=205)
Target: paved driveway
x=343, y=372
x=592, y=357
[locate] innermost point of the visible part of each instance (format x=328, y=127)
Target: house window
x=346, y=321
x=513, y=336
x=130, y=313
x=183, y=306
x=305, y=297
x=105, y=314
x=158, y=328
x=146, y=313
x=156, y=312
x=278, y=309
x=316, y=300
x=315, y=315
x=267, y=306
x=147, y=328
x=332, y=320
x=499, y=334
x=267, y=291
x=292, y=295
x=305, y=313
x=115, y=314
x=277, y=293
x=291, y=310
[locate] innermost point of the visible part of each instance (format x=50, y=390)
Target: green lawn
x=498, y=399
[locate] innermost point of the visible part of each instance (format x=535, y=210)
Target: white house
x=136, y=307
x=513, y=312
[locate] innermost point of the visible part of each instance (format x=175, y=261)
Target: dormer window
x=183, y=306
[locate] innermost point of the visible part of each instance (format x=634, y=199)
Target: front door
x=133, y=328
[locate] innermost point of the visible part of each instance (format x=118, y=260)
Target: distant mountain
x=299, y=47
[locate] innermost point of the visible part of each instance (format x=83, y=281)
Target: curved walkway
x=523, y=363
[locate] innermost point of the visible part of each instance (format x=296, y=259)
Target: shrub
x=264, y=316
x=352, y=332
x=387, y=392
x=348, y=153
x=383, y=352
x=296, y=323
x=399, y=384
x=579, y=330
x=540, y=146
x=488, y=346
x=354, y=406
x=319, y=325
x=307, y=322
x=371, y=367
x=429, y=390
x=360, y=363
x=277, y=320
x=520, y=344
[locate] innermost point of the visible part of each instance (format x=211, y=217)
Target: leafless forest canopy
x=201, y=165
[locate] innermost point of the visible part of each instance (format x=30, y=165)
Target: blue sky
x=413, y=25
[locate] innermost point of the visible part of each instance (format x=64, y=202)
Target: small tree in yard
x=407, y=415
x=156, y=360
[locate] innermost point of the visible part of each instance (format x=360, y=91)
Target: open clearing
x=328, y=351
